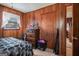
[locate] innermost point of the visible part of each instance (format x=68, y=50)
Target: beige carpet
x=48, y=52
x=68, y=47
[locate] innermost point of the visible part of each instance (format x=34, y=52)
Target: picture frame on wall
x=10, y=21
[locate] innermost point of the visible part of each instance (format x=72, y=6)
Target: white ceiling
x=26, y=7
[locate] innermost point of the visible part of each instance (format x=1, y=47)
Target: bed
x=14, y=47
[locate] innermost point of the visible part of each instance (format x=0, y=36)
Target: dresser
x=32, y=37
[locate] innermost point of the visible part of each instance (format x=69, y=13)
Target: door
x=76, y=29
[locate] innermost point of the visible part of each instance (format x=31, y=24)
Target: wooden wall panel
x=27, y=19
x=46, y=17
x=48, y=28
x=11, y=33
x=1, y=8
x=49, y=21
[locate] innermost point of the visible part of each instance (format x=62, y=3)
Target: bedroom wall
x=10, y=33
x=48, y=22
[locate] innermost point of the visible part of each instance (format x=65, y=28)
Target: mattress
x=14, y=47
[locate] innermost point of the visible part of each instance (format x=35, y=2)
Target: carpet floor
x=48, y=52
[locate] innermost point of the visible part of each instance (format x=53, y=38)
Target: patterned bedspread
x=15, y=47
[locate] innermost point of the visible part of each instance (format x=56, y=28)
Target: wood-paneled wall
x=1, y=9
x=10, y=33
x=47, y=19
x=50, y=18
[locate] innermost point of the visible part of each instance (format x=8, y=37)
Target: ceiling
x=26, y=7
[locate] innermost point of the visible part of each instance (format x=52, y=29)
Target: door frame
x=61, y=12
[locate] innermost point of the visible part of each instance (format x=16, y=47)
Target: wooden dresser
x=33, y=36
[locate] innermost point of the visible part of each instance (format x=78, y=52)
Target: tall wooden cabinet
x=33, y=36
